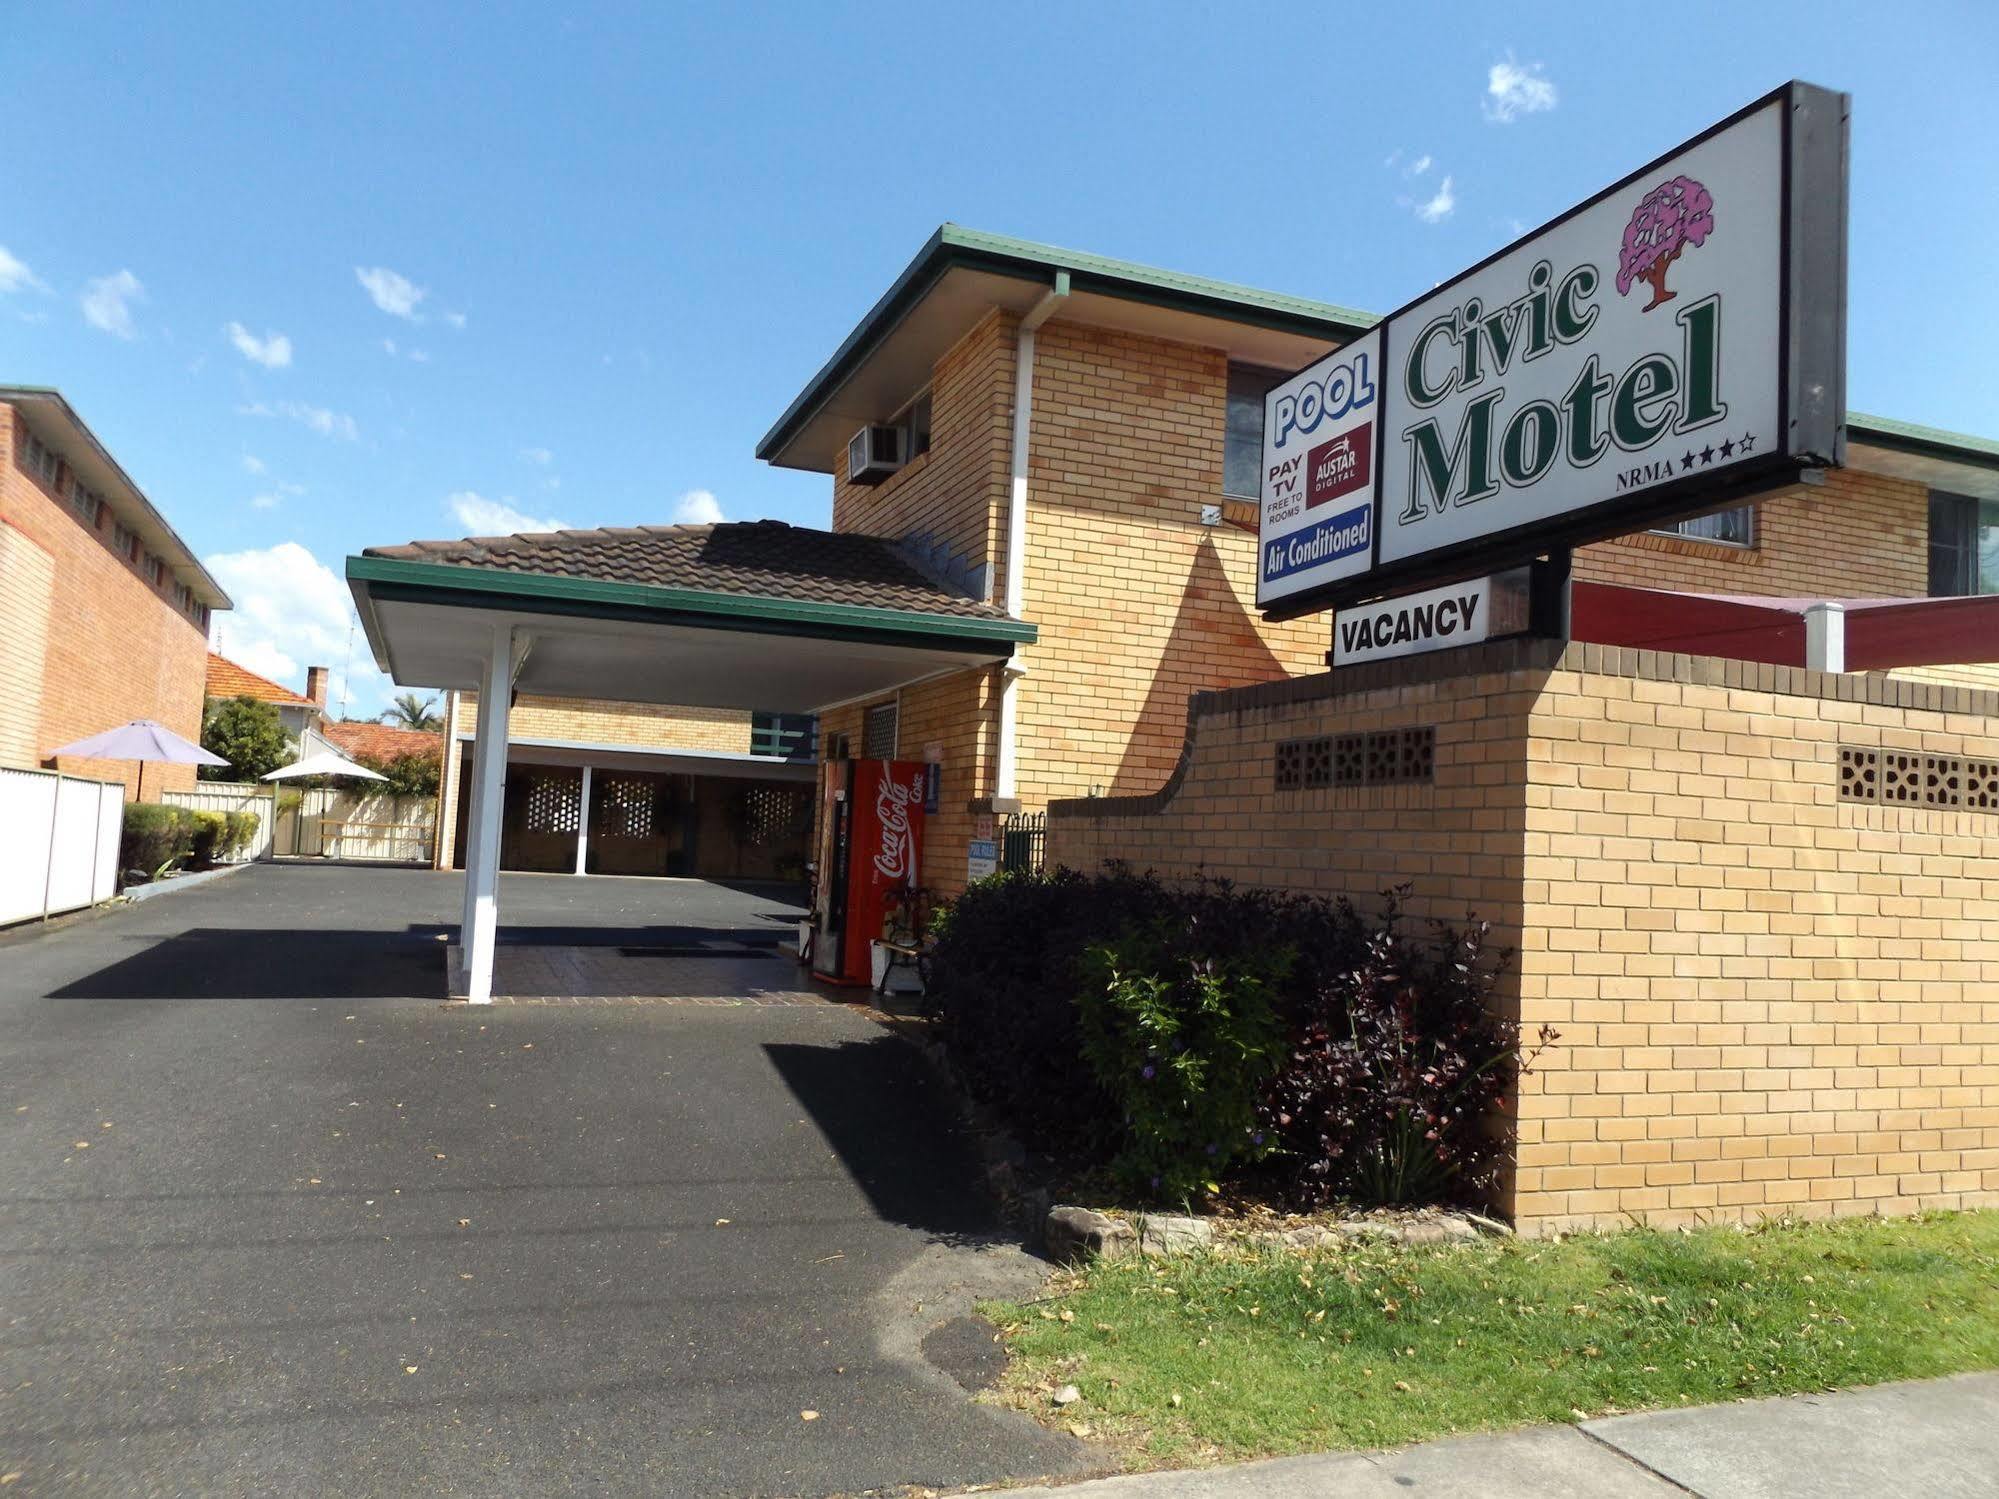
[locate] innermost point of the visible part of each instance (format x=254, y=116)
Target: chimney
x=315, y=684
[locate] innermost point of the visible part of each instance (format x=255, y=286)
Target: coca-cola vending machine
x=870, y=842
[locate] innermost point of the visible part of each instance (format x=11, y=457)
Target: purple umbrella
x=140, y=740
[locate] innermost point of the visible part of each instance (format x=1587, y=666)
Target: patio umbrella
x=140, y=740
x=323, y=762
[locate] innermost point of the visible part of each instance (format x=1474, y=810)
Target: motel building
x=1733, y=798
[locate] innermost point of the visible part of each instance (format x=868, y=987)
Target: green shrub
x=155, y=838
x=1185, y=1040
x=240, y=833
x=246, y=733
x=208, y=836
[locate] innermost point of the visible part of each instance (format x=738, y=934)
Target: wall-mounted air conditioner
x=873, y=453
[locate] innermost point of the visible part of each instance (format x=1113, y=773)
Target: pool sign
x=1318, y=472
x=1673, y=345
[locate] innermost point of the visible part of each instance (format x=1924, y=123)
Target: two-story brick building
x=1077, y=440
x=104, y=610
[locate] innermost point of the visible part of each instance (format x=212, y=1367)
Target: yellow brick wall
x=1771, y=1000
x=1857, y=536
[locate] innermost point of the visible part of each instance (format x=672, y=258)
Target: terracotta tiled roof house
x=298, y=712
x=104, y=610
x=379, y=741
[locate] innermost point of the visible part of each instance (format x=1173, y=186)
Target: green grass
x=1378, y=1346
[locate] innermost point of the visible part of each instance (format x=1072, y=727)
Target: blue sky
x=332, y=277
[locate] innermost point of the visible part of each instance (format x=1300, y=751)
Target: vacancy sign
x=1676, y=343
x=1319, y=448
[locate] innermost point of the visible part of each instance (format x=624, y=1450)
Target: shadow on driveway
x=272, y=963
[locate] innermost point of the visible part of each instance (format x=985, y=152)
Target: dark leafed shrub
x=1397, y=1073
x=154, y=838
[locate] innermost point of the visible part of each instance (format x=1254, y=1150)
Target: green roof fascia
x=953, y=245
x=546, y=593
x=1926, y=442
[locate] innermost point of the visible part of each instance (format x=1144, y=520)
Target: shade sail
x=141, y=739
x=323, y=763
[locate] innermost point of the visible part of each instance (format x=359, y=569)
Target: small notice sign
x=981, y=858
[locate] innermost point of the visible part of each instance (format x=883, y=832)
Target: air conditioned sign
x=1672, y=345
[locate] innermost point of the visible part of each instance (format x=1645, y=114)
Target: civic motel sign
x=1675, y=344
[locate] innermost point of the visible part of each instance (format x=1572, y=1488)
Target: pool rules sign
x=1673, y=345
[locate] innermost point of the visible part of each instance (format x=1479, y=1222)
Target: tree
x=246, y=733
x=1677, y=213
x=408, y=774
x=412, y=710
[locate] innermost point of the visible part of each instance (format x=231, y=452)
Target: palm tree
x=412, y=710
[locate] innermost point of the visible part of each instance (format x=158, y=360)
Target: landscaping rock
x=1072, y=1233
x=1171, y=1233
x=1492, y=1227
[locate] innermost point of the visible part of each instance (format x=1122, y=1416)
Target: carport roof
x=747, y=615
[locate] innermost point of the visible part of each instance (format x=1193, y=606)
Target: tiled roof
x=226, y=680
x=379, y=741
x=760, y=559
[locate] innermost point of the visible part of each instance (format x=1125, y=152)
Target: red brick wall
x=116, y=648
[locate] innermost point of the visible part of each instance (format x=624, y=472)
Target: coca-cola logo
x=896, y=859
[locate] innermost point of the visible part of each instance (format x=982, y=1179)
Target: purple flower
x=1257, y=1138
x=1214, y=1149
x=1146, y=1072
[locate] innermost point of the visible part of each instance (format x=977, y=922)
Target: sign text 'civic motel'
x=1631, y=357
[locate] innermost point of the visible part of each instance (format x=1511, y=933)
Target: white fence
x=60, y=848
x=371, y=825
x=234, y=796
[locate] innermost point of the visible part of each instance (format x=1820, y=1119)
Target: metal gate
x=1023, y=840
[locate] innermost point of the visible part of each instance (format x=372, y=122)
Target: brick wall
x=115, y=647
x=27, y=608
x=1771, y=999
x=1856, y=536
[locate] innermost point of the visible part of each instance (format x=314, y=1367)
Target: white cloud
x=418, y=356
x=15, y=275
x=252, y=464
x=107, y=303
x=276, y=495
x=456, y=319
x=318, y=418
x=395, y=294
x=698, y=507
x=292, y=611
x=273, y=351
x=541, y=456
x=483, y=517
x=1512, y=90
x=1419, y=166
x=389, y=347
x=1439, y=206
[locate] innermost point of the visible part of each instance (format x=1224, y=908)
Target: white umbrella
x=323, y=763
x=142, y=739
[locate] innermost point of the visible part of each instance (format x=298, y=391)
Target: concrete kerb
x=177, y=883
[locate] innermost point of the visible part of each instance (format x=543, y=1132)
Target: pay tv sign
x=1674, y=344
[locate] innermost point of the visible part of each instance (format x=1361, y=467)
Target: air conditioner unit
x=873, y=453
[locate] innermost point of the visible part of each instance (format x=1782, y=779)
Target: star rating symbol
x=1728, y=448
x=1686, y=460
x=1707, y=456
x=1748, y=441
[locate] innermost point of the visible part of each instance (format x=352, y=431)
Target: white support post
x=1825, y=637
x=489, y=778
x=583, y=823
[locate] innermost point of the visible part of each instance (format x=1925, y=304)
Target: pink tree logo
x=1675, y=214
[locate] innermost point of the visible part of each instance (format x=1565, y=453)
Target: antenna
x=347, y=669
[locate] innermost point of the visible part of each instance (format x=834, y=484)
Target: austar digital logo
x=1339, y=467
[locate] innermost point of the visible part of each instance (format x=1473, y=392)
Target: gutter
x=1006, y=791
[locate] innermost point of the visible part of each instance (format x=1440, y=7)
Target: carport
x=751, y=615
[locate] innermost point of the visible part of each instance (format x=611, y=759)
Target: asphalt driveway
x=278, y=1220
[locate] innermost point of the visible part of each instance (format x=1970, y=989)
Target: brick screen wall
x=1772, y=999
x=113, y=646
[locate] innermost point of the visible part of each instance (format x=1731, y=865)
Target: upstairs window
x=1735, y=527
x=86, y=502
x=1964, y=545
x=878, y=726
x=123, y=542
x=39, y=459
x=1242, y=435
x=784, y=736
x=915, y=424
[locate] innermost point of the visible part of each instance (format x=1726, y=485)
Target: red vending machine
x=870, y=842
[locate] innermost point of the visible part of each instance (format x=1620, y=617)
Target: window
x=123, y=542
x=1964, y=545
x=1736, y=527
x=1242, y=436
x=784, y=736
x=878, y=733
x=915, y=424
x=154, y=570
x=85, y=502
x=39, y=459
